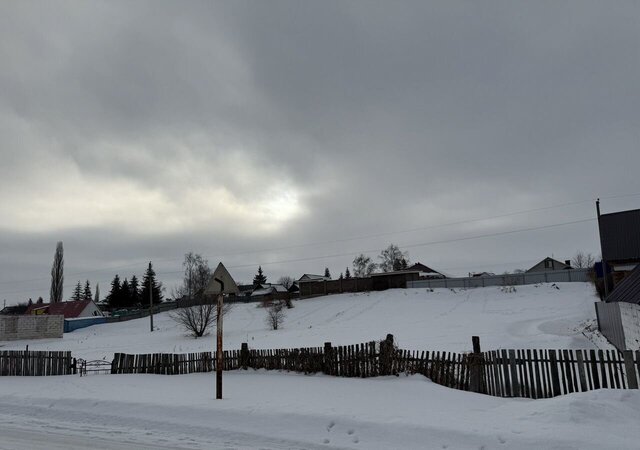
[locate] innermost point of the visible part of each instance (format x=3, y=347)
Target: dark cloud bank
x=142, y=130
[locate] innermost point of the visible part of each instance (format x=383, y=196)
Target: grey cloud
x=379, y=116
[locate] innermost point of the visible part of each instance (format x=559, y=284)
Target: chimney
x=567, y=262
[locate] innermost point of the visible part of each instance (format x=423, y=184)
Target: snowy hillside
x=536, y=316
x=278, y=410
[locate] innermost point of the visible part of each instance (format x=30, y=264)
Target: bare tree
x=197, y=275
x=583, y=260
x=275, y=315
x=57, y=275
x=198, y=319
x=362, y=266
x=286, y=281
x=393, y=259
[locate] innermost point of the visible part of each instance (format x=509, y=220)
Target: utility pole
x=150, y=301
x=604, y=262
x=219, y=355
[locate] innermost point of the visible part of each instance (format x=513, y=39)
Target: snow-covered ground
x=534, y=316
x=274, y=410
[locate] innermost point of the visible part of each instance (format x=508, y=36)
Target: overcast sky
x=298, y=134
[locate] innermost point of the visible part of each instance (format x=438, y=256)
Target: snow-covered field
x=535, y=316
x=272, y=410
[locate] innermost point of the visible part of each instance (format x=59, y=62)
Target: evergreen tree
x=260, y=278
x=156, y=287
x=347, y=274
x=114, y=296
x=134, y=291
x=77, y=293
x=327, y=274
x=40, y=301
x=86, y=295
x=125, y=294
x=97, y=296
x=341, y=277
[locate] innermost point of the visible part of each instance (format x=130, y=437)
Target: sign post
x=221, y=283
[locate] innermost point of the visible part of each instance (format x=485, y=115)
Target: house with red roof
x=70, y=310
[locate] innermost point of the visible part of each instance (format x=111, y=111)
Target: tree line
x=131, y=293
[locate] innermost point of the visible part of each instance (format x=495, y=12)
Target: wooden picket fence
x=38, y=363
x=503, y=373
x=549, y=373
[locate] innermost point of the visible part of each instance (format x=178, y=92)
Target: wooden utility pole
x=219, y=354
x=150, y=302
x=216, y=286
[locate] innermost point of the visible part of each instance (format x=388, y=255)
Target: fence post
x=244, y=355
x=386, y=355
x=328, y=358
x=555, y=379
x=476, y=367
x=632, y=381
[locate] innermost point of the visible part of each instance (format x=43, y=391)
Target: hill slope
x=536, y=316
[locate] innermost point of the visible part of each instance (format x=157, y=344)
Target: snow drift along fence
x=29, y=363
x=503, y=373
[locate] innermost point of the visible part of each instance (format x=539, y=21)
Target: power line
x=354, y=238
x=338, y=255
x=335, y=241
x=423, y=244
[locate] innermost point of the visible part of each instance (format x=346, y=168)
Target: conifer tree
x=86, y=294
x=327, y=274
x=347, y=274
x=156, y=287
x=77, y=293
x=114, y=296
x=125, y=294
x=260, y=278
x=134, y=291
x=97, y=296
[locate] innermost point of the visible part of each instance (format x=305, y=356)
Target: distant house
x=311, y=277
x=550, y=264
x=620, y=241
x=268, y=291
x=481, y=274
x=425, y=271
x=70, y=310
x=15, y=310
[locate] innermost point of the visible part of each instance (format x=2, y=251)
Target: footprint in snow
x=331, y=425
x=350, y=432
x=326, y=441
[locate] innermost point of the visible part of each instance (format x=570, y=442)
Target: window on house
x=548, y=264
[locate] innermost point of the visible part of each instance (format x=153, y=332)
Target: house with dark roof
x=312, y=277
x=549, y=264
x=70, y=310
x=620, y=241
x=425, y=271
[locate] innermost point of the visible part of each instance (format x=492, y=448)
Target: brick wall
x=30, y=327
